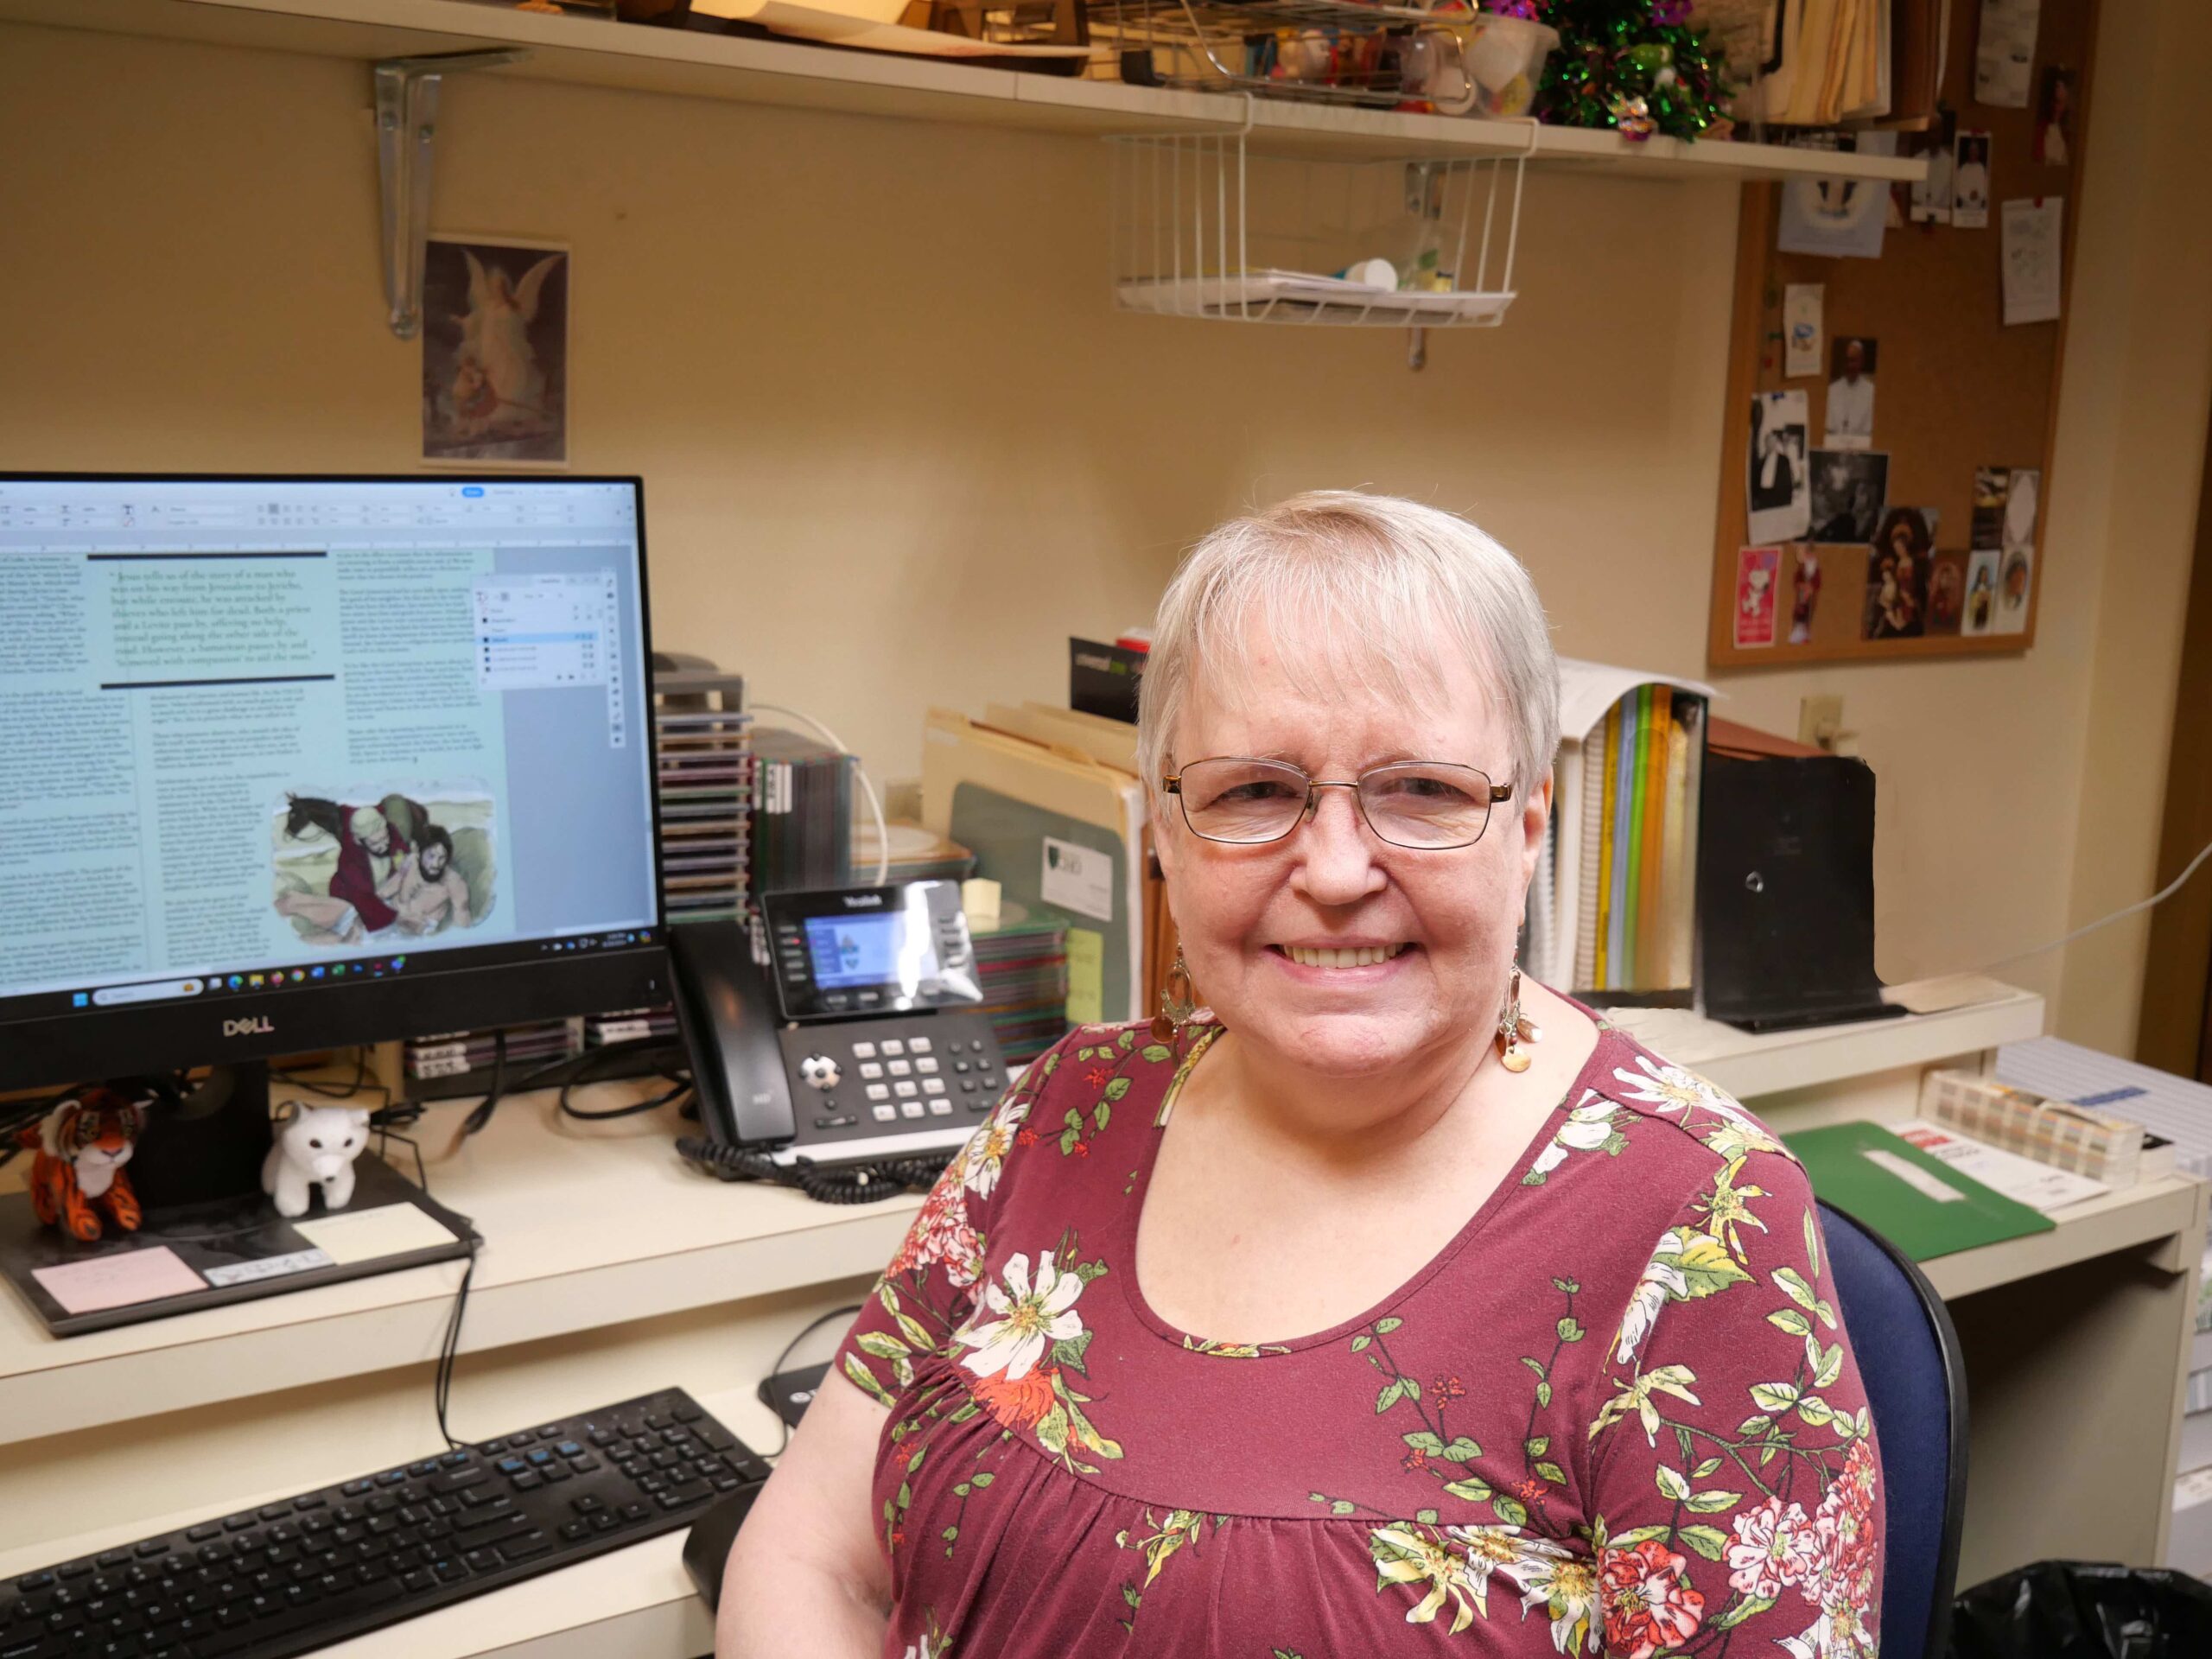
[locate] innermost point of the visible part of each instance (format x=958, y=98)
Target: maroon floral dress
x=1617, y=1415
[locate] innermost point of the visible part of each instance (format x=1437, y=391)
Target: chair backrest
x=1916, y=1383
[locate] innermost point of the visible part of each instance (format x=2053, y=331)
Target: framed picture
x=495, y=354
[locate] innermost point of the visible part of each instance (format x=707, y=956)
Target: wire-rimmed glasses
x=1429, y=805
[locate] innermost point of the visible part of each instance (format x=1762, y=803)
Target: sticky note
x=123, y=1280
x=371, y=1235
x=1086, y=976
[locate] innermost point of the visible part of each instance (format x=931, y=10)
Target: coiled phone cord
x=855, y=1184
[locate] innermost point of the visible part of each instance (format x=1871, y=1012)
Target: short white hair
x=1397, y=588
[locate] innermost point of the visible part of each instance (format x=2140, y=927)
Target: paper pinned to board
x=2032, y=234
x=1588, y=690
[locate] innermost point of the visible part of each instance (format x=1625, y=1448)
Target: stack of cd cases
x=1024, y=968
x=458, y=1063
x=703, y=738
x=629, y=1024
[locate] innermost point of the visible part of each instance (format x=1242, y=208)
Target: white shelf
x=586, y=1226
x=2169, y=1213
x=1750, y=1066
x=586, y=52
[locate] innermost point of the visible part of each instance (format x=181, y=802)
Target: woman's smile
x=1362, y=964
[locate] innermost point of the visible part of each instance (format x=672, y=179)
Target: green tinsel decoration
x=1614, y=51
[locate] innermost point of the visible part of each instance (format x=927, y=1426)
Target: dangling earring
x=1178, y=1002
x=1516, y=1028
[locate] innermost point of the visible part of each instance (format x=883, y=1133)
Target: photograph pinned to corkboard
x=1911, y=523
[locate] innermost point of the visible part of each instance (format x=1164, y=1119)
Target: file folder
x=1920, y=1203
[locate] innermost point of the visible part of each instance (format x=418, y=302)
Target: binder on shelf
x=1063, y=834
x=1612, y=913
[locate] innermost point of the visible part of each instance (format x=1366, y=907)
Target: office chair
x=1916, y=1383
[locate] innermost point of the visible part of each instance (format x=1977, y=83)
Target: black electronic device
x=321, y=760
x=788, y=1394
x=294, y=1576
x=860, y=1039
x=1785, y=892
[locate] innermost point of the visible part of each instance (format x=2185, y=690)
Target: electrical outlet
x=1820, y=721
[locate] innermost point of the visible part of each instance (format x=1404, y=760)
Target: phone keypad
x=866, y=1086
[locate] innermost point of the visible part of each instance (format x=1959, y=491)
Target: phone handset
x=728, y=1013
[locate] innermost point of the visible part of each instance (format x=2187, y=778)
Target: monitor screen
x=286, y=735
x=877, y=949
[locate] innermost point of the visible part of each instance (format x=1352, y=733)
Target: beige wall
x=2134, y=415
x=899, y=445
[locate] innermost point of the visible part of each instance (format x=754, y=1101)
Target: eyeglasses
x=1430, y=806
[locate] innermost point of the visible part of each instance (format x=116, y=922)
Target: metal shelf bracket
x=407, y=116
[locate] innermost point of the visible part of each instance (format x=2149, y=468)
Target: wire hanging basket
x=1204, y=226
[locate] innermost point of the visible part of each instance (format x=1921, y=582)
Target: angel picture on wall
x=495, y=351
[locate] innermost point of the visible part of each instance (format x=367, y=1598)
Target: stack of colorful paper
x=1612, y=911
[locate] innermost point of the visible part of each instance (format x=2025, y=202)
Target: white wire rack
x=1206, y=227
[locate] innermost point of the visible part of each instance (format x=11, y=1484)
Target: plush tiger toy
x=82, y=1146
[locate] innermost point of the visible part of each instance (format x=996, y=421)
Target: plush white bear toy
x=313, y=1144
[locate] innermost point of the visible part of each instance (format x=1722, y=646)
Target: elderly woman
x=1390, y=1304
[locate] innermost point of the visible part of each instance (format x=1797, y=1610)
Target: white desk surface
x=584, y=1224
x=595, y=1224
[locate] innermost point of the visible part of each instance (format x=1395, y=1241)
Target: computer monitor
x=287, y=763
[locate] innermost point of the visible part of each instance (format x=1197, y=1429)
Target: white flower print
x=985, y=1154
x=1588, y=1126
x=1565, y=1587
x=1662, y=1278
x=1030, y=1318
x=1673, y=1089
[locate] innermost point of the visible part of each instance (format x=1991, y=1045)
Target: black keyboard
x=289, y=1578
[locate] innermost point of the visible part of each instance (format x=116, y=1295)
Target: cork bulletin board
x=1962, y=405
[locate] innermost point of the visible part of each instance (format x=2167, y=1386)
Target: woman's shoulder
x=1099, y=1083
x=1685, y=1133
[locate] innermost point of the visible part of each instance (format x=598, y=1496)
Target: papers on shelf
x=2037, y=1185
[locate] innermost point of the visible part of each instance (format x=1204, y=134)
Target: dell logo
x=255, y=1027
x=862, y=900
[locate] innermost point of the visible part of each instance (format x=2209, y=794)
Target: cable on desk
x=678, y=1075
x=852, y=1183
x=775, y=1370
x=449, y=1349
x=298, y=1080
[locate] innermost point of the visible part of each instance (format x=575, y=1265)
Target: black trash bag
x=2084, y=1610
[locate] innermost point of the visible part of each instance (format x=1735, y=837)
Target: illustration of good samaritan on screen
x=356, y=866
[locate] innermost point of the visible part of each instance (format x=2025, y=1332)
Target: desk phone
x=861, y=1036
